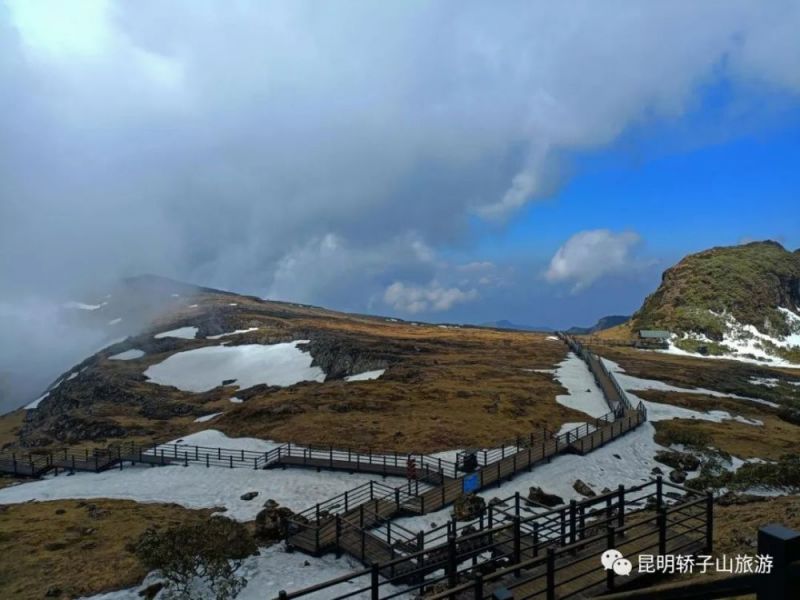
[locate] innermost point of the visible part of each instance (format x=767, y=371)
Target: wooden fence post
x=551, y=574
x=452, y=561
x=709, y=521
x=610, y=542
x=517, y=544
x=659, y=491
x=621, y=506
x=573, y=510
x=338, y=536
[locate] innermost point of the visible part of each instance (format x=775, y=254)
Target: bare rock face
x=583, y=489
x=340, y=356
x=539, y=496
x=468, y=507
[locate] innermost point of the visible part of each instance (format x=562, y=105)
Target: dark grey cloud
x=325, y=152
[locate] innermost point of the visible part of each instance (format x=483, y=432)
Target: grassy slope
x=78, y=551
x=444, y=387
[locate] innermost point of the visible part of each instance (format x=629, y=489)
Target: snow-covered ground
x=631, y=384
x=196, y=486
x=583, y=394
x=184, y=333
x=203, y=369
x=366, y=375
x=746, y=342
x=131, y=354
x=275, y=570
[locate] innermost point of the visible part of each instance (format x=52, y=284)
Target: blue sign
x=471, y=483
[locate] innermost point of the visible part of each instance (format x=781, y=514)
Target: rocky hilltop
x=739, y=301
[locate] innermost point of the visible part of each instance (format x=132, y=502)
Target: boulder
x=583, y=489
x=539, y=496
x=468, y=506
x=496, y=502
x=248, y=496
x=656, y=471
x=151, y=591
x=677, y=476
x=682, y=461
x=271, y=523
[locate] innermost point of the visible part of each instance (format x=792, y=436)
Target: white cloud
x=415, y=299
x=590, y=255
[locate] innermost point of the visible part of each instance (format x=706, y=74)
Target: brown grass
x=736, y=527
x=42, y=548
x=452, y=388
x=9, y=426
x=444, y=387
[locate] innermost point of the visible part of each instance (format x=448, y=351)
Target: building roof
x=658, y=334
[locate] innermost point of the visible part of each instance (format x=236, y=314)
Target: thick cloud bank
x=330, y=152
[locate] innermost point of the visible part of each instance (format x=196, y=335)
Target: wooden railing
x=541, y=549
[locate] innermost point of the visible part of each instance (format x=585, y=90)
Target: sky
x=441, y=161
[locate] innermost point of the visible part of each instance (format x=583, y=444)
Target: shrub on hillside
x=207, y=553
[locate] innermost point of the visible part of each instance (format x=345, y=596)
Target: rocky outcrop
x=539, y=496
x=271, y=522
x=583, y=489
x=682, y=461
x=677, y=476
x=468, y=506
x=341, y=356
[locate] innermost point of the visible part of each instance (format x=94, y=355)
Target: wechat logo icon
x=612, y=560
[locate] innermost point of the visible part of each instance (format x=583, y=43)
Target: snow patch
x=236, y=400
x=184, y=333
x=203, y=369
x=366, y=375
x=36, y=402
x=205, y=418
x=237, y=332
x=131, y=354
x=115, y=321
x=582, y=391
x=84, y=306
